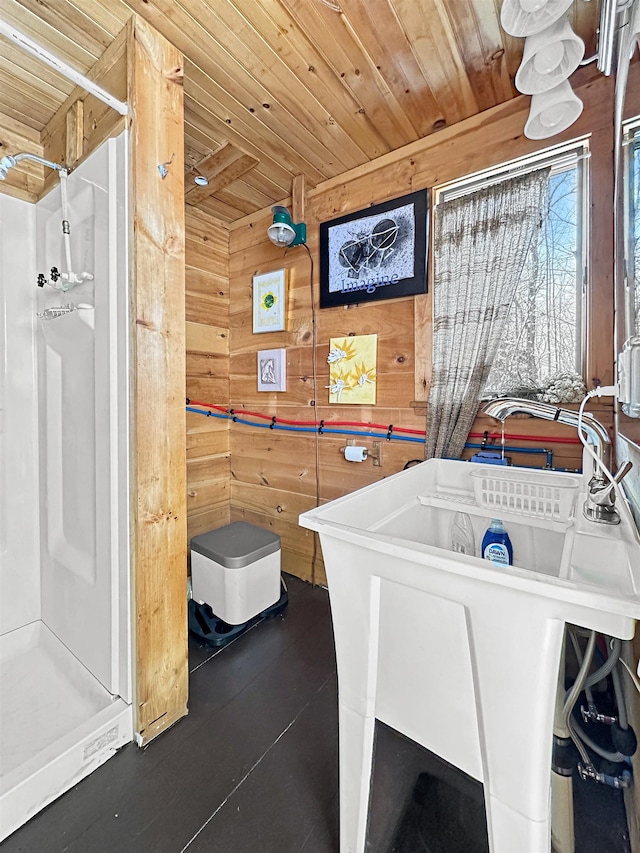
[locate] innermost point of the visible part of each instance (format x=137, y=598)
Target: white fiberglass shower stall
x=65, y=680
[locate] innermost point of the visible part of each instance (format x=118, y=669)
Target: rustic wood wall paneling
x=207, y=344
x=157, y=275
x=273, y=475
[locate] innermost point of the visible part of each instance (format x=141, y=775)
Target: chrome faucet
x=600, y=503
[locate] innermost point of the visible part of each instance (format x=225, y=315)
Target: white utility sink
x=458, y=654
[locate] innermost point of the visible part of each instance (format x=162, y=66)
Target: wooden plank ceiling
x=278, y=88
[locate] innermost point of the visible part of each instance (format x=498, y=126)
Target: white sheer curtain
x=480, y=244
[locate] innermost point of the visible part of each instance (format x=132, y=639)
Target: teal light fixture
x=283, y=232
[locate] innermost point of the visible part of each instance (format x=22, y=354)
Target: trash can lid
x=237, y=544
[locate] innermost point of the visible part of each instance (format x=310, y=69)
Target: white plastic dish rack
x=536, y=495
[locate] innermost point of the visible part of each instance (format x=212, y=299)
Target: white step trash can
x=236, y=570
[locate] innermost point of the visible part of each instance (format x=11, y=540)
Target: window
x=544, y=329
x=632, y=228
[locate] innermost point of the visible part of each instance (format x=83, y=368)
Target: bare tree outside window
x=542, y=335
x=635, y=227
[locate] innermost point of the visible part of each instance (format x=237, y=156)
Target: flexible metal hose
x=572, y=697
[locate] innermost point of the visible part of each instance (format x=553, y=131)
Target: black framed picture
x=377, y=253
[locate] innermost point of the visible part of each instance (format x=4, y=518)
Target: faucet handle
x=622, y=472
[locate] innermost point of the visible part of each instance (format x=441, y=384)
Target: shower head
x=12, y=159
x=5, y=164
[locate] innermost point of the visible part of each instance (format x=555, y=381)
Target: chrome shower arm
x=10, y=160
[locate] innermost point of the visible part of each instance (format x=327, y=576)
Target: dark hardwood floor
x=253, y=768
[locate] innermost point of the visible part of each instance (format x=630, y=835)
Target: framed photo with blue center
x=377, y=253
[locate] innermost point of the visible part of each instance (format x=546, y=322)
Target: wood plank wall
x=141, y=67
x=207, y=327
x=158, y=463
x=273, y=474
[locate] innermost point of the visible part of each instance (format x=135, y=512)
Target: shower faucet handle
x=55, y=273
x=41, y=280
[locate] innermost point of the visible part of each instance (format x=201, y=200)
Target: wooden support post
x=298, y=199
x=74, y=147
x=158, y=479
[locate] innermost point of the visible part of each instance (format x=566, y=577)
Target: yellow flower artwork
x=352, y=375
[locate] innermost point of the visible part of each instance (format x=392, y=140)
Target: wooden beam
x=158, y=475
x=74, y=143
x=298, y=198
x=99, y=121
x=224, y=166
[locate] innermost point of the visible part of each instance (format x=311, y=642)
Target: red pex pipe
x=549, y=439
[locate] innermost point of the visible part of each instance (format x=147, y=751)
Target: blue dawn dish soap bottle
x=496, y=545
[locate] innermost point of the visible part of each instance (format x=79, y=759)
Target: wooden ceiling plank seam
x=43, y=34
x=228, y=196
x=270, y=143
x=232, y=79
x=273, y=145
x=65, y=18
x=110, y=16
x=217, y=160
x=16, y=112
x=391, y=91
x=376, y=28
x=224, y=212
x=409, y=151
x=357, y=73
x=246, y=45
x=257, y=179
x=243, y=164
x=513, y=46
x=436, y=51
x=221, y=172
x=22, y=66
x=282, y=158
x=194, y=133
x=32, y=86
x=383, y=18
x=309, y=65
x=479, y=37
x=243, y=190
x=24, y=108
x=10, y=127
x=262, y=187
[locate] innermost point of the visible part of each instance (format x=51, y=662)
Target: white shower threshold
x=57, y=723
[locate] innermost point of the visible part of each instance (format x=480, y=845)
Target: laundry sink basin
x=458, y=654
x=558, y=553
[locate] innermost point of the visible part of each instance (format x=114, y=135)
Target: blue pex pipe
x=320, y=430
x=549, y=453
x=329, y=431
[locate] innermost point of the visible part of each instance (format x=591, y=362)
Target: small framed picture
x=270, y=302
x=272, y=370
